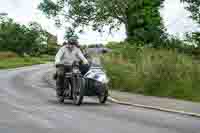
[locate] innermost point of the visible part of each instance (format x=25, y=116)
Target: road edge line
x=113, y=100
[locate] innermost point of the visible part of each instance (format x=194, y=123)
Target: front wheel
x=77, y=92
x=77, y=99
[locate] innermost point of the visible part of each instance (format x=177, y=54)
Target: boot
x=59, y=92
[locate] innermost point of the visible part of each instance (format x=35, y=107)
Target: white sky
x=23, y=11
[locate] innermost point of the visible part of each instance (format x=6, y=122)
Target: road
x=28, y=104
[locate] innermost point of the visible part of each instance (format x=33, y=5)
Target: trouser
x=60, y=71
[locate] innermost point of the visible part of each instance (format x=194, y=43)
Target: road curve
x=28, y=104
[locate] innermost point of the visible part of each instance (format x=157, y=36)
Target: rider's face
x=71, y=47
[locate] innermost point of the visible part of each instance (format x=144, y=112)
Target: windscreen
x=95, y=61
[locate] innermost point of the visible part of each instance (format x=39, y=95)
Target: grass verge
x=15, y=62
x=155, y=72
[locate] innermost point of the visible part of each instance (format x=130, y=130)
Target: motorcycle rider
x=64, y=59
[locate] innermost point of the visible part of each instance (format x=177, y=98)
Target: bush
x=7, y=54
x=52, y=50
x=20, y=38
x=47, y=57
x=150, y=71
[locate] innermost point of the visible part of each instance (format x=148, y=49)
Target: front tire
x=77, y=92
x=78, y=99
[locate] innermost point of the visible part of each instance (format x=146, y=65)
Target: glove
x=58, y=65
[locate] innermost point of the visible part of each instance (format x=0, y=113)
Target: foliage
x=150, y=71
x=52, y=49
x=170, y=42
x=20, y=38
x=20, y=62
x=194, y=7
x=12, y=60
x=70, y=33
x=52, y=39
x=193, y=38
x=7, y=54
x=140, y=17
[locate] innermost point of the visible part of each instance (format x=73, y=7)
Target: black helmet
x=73, y=41
x=65, y=43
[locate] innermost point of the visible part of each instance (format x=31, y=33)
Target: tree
x=52, y=39
x=141, y=17
x=52, y=44
x=20, y=38
x=3, y=16
x=70, y=32
x=193, y=6
x=193, y=38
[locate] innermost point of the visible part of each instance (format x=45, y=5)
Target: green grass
x=155, y=72
x=22, y=61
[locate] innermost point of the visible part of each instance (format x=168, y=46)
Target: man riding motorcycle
x=64, y=59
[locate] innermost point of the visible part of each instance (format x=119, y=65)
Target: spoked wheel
x=77, y=92
x=66, y=91
x=103, y=97
x=78, y=99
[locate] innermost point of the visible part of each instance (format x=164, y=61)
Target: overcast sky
x=176, y=19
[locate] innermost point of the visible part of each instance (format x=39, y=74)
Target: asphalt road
x=28, y=104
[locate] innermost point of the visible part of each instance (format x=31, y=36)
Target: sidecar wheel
x=103, y=98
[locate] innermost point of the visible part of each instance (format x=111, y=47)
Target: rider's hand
x=57, y=65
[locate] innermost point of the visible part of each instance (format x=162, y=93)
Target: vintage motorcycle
x=93, y=83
